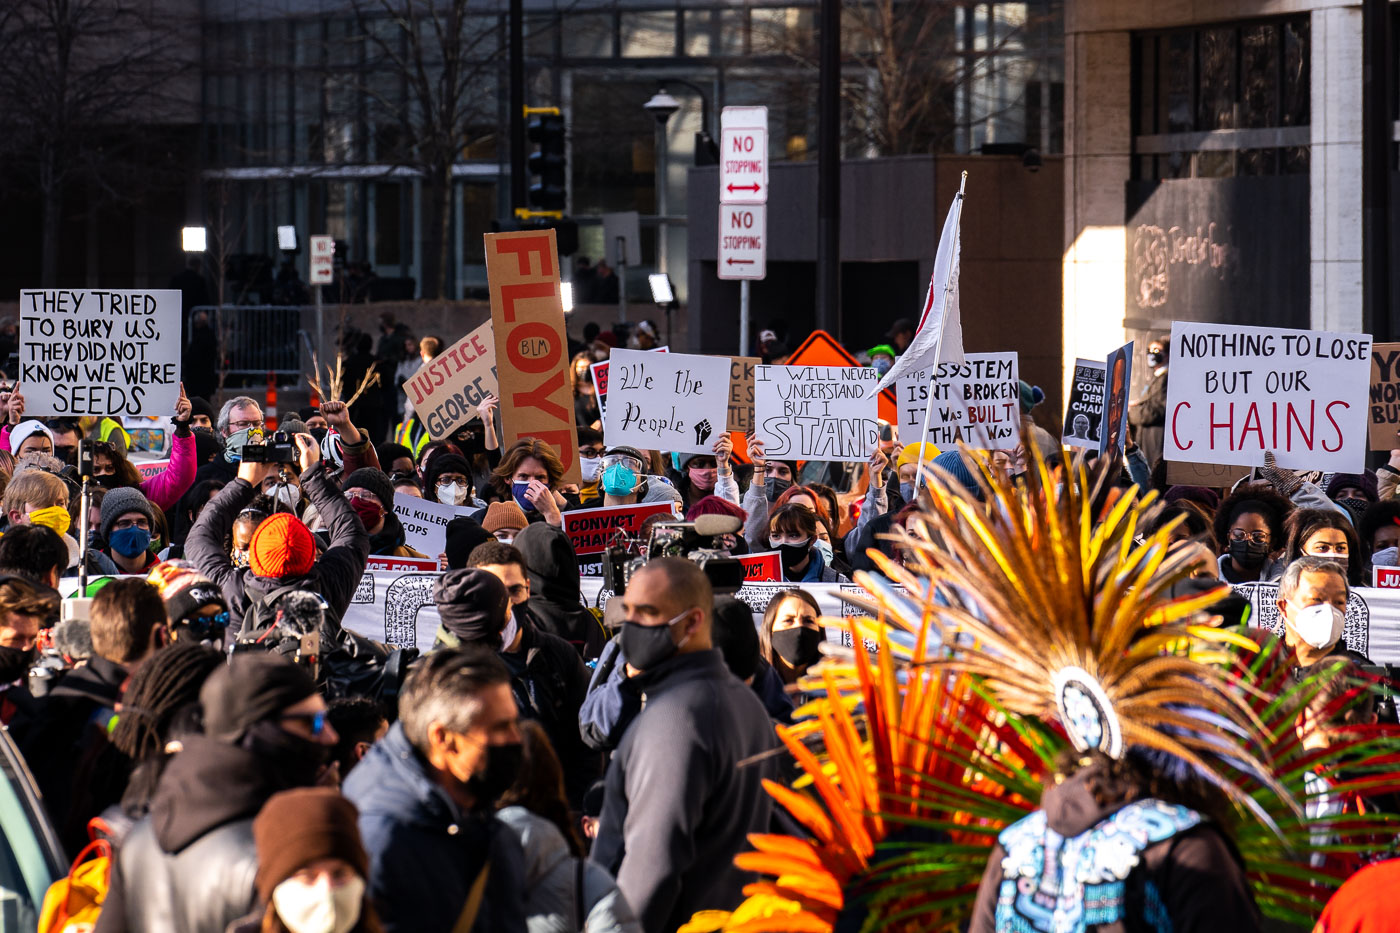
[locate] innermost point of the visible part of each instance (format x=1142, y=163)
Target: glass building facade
x=309, y=115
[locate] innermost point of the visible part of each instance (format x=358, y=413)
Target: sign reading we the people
x=666, y=401
x=446, y=390
x=532, y=352
x=99, y=352
x=817, y=412
x=1237, y=392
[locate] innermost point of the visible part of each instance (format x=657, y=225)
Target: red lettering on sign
x=538, y=397
x=523, y=292
x=1335, y=426
x=524, y=248
x=566, y=442
x=541, y=342
x=1176, y=438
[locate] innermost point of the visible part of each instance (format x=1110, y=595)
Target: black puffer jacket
x=337, y=571
x=556, y=602
x=188, y=866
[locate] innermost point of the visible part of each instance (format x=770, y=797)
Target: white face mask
x=1319, y=626
x=453, y=494
x=509, y=632
x=1386, y=557
x=319, y=907
x=588, y=467
x=288, y=495
x=825, y=548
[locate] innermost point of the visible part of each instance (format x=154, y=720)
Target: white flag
x=940, y=317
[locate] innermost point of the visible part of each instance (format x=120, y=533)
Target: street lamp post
x=661, y=106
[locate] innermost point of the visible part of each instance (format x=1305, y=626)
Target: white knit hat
x=24, y=430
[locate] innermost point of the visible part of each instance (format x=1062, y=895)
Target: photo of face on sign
x=1115, y=421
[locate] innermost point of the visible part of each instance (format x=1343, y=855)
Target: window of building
x=1222, y=100
x=650, y=34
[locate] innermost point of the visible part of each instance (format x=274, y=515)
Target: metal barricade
x=259, y=339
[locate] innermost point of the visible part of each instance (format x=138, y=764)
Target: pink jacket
x=166, y=487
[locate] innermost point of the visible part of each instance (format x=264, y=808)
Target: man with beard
x=190, y=864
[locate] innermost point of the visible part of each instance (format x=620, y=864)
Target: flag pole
x=938, y=346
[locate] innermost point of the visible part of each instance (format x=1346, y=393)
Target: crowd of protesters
x=545, y=766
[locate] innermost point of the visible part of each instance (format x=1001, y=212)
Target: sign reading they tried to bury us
x=817, y=412
x=532, y=356
x=94, y=352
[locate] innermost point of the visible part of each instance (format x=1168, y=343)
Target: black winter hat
x=463, y=535
x=372, y=480
x=250, y=689
x=446, y=463
x=472, y=603
x=199, y=406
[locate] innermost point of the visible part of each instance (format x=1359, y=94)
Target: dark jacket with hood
x=678, y=806
x=337, y=570
x=65, y=748
x=556, y=602
x=1197, y=875
x=549, y=682
x=425, y=852
x=188, y=866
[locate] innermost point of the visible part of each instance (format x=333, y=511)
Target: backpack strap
x=467, y=918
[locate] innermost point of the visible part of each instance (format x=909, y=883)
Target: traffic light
x=549, y=190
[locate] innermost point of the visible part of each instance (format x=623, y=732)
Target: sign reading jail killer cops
x=522, y=269
x=1084, y=413
x=1237, y=392
x=666, y=401
x=425, y=523
x=1383, y=414
x=94, y=352
x=977, y=400
x=446, y=390
x=817, y=412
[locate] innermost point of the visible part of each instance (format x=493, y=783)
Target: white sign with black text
x=666, y=401
x=817, y=412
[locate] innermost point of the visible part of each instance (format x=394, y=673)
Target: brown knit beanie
x=297, y=827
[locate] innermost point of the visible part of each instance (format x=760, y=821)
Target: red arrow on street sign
x=739, y=262
x=753, y=188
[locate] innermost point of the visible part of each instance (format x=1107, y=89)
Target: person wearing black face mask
x=1249, y=528
x=697, y=725
x=1148, y=412
x=265, y=730
x=426, y=793
x=24, y=609
x=791, y=634
x=771, y=478
x=792, y=532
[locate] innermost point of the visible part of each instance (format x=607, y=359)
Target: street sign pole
x=322, y=273
x=743, y=204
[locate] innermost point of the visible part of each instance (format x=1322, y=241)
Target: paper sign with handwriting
x=599, y=372
x=666, y=401
x=817, y=412
x=977, y=400
x=425, y=523
x=445, y=391
x=95, y=352
x=1237, y=392
x=1384, y=411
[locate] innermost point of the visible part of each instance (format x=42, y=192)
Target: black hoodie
x=556, y=602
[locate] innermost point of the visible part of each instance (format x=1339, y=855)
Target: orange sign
x=822, y=349
x=522, y=268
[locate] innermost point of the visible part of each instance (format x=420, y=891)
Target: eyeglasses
x=316, y=722
x=208, y=628
x=132, y=523
x=245, y=425
x=632, y=463
x=590, y=451
x=1258, y=537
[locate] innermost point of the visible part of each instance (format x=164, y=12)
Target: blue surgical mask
x=518, y=491
x=130, y=542
x=881, y=365
x=619, y=480
x=906, y=491
x=824, y=547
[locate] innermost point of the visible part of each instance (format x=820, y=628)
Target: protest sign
x=1214, y=475
x=1237, y=392
x=1387, y=577
x=666, y=401
x=1084, y=413
x=762, y=567
x=384, y=562
x=425, y=523
x=1384, y=412
x=977, y=400
x=522, y=269
x=741, y=393
x=445, y=391
x=599, y=371
x=590, y=530
x=92, y=352
x=1118, y=383
x=149, y=469
x=816, y=412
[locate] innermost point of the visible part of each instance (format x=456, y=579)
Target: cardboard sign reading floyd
x=666, y=401
x=99, y=352
x=532, y=353
x=817, y=412
x=1236, y=392
x=446, y=390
